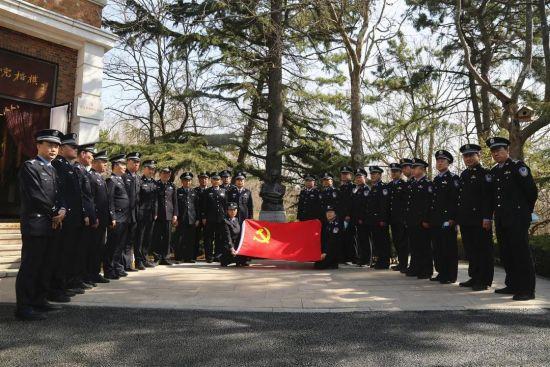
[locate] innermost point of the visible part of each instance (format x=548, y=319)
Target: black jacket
x=101, y=198
x=474, y=201
x=514, y=192
x=86, y=190
x=445, y=198
x=359, y=203
x=70, y=182
x=148, y=200
x=40, y=198
x=399, y=196
x=331, y=236
x=231, y=233
x=167, y=200
x=214, y=205
x=345, y=193
x=378, y=204
x=244, y=201
x=329, y=196
x=132, y=183
x=119, y=203
x=199, y=191
x=419, y=203
x=188, y=204
x=309, y=204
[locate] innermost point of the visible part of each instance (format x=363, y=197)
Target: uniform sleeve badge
x=335, y=230
x=430, y=190
x=523, y=171
x=334, y=194
x=385, y=192
x=488, y=178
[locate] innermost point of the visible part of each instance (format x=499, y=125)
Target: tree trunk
x=357, y=154
x=151, y=127
x=249, y=128
x=274, y=161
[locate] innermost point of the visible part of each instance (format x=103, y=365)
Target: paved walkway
x=272, y=286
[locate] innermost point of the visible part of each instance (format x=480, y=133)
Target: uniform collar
x=441, y=174
x=43, y=160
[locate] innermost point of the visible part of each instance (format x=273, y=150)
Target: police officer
x=42, y=212
x=67, y=275
x=474, y=216
x=99, y=230
x=345, y=192
x=309, y=205
x=147, y=213
x=213, y=211
x=398, y=201
x=242, y=197
x=188, y=206
x=231, y=237
x=328, y=195
x=514, y=195
x=84, y=164
x=132, y=183
x=417, y=219
x=167, y=216
x=226, y=179
x=119, y=213
x=331, y=239
x=443, y=219
x=378, y=218
x=199, y=190
x=359, y=217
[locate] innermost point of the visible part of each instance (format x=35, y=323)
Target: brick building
x=51, y=54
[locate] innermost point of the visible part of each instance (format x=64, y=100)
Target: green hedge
x=541, y=253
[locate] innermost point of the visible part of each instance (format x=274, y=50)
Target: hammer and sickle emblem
x=262, y=235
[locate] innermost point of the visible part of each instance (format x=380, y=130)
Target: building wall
x=86, y=11
x=64, y=57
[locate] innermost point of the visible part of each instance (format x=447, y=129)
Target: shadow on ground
x=93, y=336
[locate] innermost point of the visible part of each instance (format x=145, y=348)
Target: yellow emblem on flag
x=263, y=235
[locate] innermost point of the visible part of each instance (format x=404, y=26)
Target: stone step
x=6, y=259
x=11, y=266
x=9, y=225
x=9, y=236
x=10, y=247
x=15, y=241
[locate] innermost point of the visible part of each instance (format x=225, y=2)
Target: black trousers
x=68, y=252
x=363, y=244
x=144, y=238
x=116, y=239
x=185, y=245
x=381, y=245
x=445, y=252
x=400, y=243
x=478, y=245
x=96, y=252
x=331, y=258
x=348, y=250
x=213, y=239
x=87, y=238
x=35, y=272
x=421, y=251
x=199, y=237
x=131, y=237
x=516, y=256
x=162, y=234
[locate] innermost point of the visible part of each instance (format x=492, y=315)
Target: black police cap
x=118, y=158
x=90, y=148
x=186, y=176
x=395, y=167
x=203, y=174
x=417, y=162
x=445, y=155
x=232, y=206
x=135, y=156
x=375, y=169
x=360, y=172
x=310, y=177
x=101, y=156
x=225, y=173
x=49, y=135
x=69, y=139
x=330, y=208
x=327, y=176
x=166, y=169
x=149, y=163
x=240, y=175
x=406, y=162
x=215, y=175
x=497, y=141
x=346, y=169
x=470, y=148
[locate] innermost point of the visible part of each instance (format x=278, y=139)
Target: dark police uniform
x=133, y=184
x=70, y=249
x=231, y=238
x=444, y=211
x=147, y=212
x=514, y=195
x=40, y=201
x=243, y=198
x=331, y=239
x=199, y=236
x=359, y=220
x=345, y=193
x=309, y=204
x=119, y=211
x=167, y=209
x=398, y=201
x=474, y=204
x=101, y=203
x=377, y=216
x=214, y=207
x=188, y=206
x=328, y=196
x=418, y=212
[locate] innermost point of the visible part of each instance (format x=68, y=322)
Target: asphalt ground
x=96, y=336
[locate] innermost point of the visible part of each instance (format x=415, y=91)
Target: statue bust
x=272, y=193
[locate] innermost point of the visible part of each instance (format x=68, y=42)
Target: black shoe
x=403, y=271
x=141, y=267
x=28, y=314
x=122, y=274
x=68, y=293
x=111, y=277
x=46, y=307
x=505, y=290
x=76, y=290
x=81, y=285
x=396, y=268
x=90, y=283
x=479, y=287
x=59, y=298
x=467, y=283
x=165, y=262
x=130, y=270
x=100, y=279
x=523, y=296
x=424, y=276
x=411, y=274
x=209, y=261
x=445, y=281
x=436, y=279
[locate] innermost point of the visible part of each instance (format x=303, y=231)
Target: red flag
x=294, y=241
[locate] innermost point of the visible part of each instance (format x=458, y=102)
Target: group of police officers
x=75, y=223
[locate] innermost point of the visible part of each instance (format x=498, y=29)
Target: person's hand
x=487, y=224
x=233, y=252
x=382, y=224
x=96, y=224
x=425, y=225
x=156, y=216
x=204, y=222
x=174, y=220
x=62, y=212
x=197, y=223
x=86, y=221
x=323, y=256
x=360, y=221
x=113, y=224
